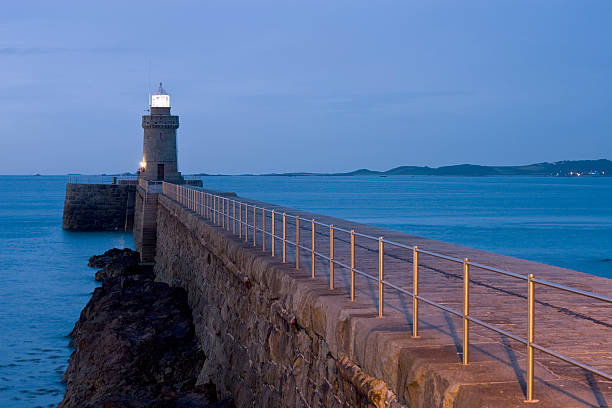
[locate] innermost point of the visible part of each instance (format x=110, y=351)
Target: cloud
x=25, y=51
x=345, y=102
x=31, y=50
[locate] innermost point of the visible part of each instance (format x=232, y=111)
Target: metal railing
x=227, y=212
x=101, y=179
x=151, y=186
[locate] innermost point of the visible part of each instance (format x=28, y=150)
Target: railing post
x=530, y=337
x=284, y=237
x=234, y=216
x=352, y=265
x=415, y=291
x=246, y=222
x=331, y=257
x=313, y=249
x=297, y=242
x=273, y=235
x=254, y=225
x=263, y=229
x=240, y=219
x=466, y=310
x=381, y=247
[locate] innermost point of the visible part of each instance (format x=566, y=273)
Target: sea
x=45, y=281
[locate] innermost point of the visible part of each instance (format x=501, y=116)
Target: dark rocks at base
x=118, y=262
x=135, y=347
x=100, y=261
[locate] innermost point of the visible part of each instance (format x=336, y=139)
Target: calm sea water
x=559, y=221
x=44, y=284
x=45, y=281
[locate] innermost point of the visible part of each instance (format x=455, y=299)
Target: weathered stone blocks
x=99, y=207
x=269, y=341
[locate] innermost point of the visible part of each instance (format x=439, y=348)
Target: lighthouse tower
x=159, y=159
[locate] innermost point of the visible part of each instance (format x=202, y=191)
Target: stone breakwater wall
x=99, y=207
x=145, y=224
x=272, y=337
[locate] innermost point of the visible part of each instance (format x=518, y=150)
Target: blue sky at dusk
x=274, y=86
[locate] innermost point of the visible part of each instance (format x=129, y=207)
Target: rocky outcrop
x=113, y=255
x=135, y=346
x=118, y=262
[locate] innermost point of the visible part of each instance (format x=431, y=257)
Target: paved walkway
x=573, y=325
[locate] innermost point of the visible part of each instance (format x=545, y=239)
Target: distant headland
x=566, y=168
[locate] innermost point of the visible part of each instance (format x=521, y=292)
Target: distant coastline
x=567, y=168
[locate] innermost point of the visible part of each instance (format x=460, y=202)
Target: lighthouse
x=159, y=158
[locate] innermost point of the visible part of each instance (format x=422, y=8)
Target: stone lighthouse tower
x=159, y=159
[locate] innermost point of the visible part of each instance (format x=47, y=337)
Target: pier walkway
x=575, y=325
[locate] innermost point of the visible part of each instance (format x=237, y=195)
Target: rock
x=135, y=347
x=100, y=261
x=118, y=262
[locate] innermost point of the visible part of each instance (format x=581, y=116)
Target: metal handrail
x=100, y=179
x=216, y=209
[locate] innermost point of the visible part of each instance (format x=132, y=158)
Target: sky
x=311, y=85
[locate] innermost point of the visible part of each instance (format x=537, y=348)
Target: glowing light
x=143, y=164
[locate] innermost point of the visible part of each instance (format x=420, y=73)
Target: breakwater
x=273, y=334
x=99, y=207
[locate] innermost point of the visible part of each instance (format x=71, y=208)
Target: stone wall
x=99, y=207
x=145, y=224
x=271, y=338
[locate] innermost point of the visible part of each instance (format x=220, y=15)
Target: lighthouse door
x=160, y=171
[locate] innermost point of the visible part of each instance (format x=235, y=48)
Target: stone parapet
x=270, y=339
x=273, y=336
